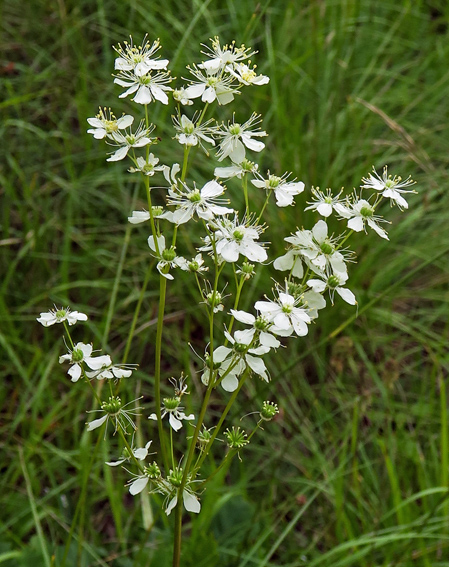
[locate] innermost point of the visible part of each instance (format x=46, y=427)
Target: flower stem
x=245, y=192
x=157, y=369
x=178, y=532
x=223, y=417
x=263, y=208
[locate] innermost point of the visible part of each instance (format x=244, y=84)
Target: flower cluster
x=229, y=228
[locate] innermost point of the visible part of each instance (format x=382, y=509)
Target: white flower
x=236, y=136
x=147, y=167
x=172, y=408
x=140, y=453
x=148, y=88
x=143, y=216
x=225, y=370
x=233, y=361
x=127, y=141
x=59, y=316
x=312, y=301
x=181, y=96
x=190, y=134
x=248, y=357
x=389, y=187
x=233, y=238
x=318, y=248
x=203, y=202
x=221, y=57
x=113, y=409
x=236, y=170
x=105, y=125
x=170, y=489
x=360, y=213
x=285, y=315
x=195, y=265
x=168, y=258
x=82, y=353
x=324, y=203
x=139, y=59
x=290, y=261
x=334, y=283
x=170, y=175
x=259, y=325
x=246, y=75
x=211, y=86
x=189, y=499
x=116, y=371
x=284, y=190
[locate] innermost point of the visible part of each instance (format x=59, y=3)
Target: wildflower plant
x=313, y=271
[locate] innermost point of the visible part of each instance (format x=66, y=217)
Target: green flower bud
x=236, y=437
x=152, y=471
x=77, y=355
x=268, y=411
x=113, y=405
x=169, y=254
x=171, y=403
x=175, y=477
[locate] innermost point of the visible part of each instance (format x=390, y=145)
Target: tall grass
x=355, y=470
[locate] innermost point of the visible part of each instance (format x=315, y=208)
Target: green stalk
x=178, y=533
x=245, y=193
x=236, y=303
x=157, y=369
x=263, y=208
x=191, y=453
x=223, y=417
x=444, y=439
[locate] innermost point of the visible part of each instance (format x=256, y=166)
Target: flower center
x=238, y=234
x=261, y=324
x=287, y=308
x=77, y=355
x=171, y=404
x=238, y=347
x=130, y=139
x=273, y=181
x=193, y=266
x=248, y=75
x=235, y=129
x=169, y=254
x=212, y=81
x=60, y=314
x=236, y=438
x=367, y=211
x=214, y=300
x=194, y=196
x=157, y=211
x=247, y=165
x=333, y=282
x=175, y=477
x=152, y=471
x=326, y=247
x=110, y=125
x=268, y=411
x=113, y=405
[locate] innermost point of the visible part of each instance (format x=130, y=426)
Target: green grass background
x=355, y=470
